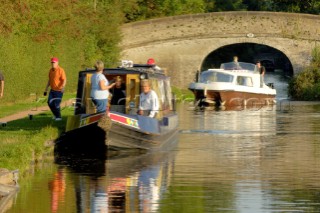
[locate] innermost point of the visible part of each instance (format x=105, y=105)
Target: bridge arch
x=180, y=44
x=272, y=58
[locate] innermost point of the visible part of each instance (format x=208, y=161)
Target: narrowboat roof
x=135, y=69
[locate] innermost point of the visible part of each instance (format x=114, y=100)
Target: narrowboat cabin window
x=157, y=86
x=167, y=106
x=117, y=98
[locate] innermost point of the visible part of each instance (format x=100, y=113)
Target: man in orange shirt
x=1, y=84
x=57, y=81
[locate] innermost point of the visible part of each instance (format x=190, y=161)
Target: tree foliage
x=297, y=6
x=306, y=84
x=135, y=10
x=226, y=5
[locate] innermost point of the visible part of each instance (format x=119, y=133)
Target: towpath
x=33, y=111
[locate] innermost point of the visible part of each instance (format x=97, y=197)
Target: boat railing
x=137, y=68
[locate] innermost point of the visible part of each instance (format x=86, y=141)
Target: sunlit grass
x=23, y=140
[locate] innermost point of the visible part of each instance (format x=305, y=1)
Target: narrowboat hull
x=117, y=131
x=120, y=137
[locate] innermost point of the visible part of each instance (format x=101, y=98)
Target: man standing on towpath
x=57, y=82
x=1, y=84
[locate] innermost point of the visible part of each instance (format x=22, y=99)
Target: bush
x=305, y=86
x=183, y=95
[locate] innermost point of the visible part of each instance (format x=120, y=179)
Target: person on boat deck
x=262, y=71
x=57, y=82
x=149, y=102
x=236, y=63
x=1, y=84
x=100, y=88
x=152, y=62
x=118, y=99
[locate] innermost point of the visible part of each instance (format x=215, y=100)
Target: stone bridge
x=181, y=44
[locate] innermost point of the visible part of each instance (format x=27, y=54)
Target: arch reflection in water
x=124, y=182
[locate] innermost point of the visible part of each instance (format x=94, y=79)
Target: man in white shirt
x=149, y=102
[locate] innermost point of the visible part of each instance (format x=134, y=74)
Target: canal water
x=248, y=160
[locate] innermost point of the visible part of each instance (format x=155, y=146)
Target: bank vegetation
x=25, y=140
x=305, y=86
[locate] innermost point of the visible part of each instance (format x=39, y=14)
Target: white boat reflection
x=234, y=121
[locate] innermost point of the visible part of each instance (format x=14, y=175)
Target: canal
x=248, y=160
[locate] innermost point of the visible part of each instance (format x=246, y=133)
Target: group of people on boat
x=100, y=91
x=100, y=86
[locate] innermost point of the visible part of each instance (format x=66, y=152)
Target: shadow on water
x=89, y=141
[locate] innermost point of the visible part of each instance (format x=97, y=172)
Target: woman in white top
x=100, y=88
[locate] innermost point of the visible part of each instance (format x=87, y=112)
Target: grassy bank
x=183, y=95
x=24, y=140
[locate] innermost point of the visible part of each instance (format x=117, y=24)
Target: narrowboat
x=125, y=129
x=234, y=84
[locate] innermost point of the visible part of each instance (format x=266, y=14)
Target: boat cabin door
x=132, y=92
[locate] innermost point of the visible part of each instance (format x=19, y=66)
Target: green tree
x=261, y=5
x=135, y=10
x=297, y=6
x=224, y=5
x=180, y=7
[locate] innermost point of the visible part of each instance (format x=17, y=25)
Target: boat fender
x=105, y=123
x=271, y=85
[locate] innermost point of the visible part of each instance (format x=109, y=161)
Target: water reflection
x=233, y=122
x=130, y=182
x=57, y=187
x=225, y=161
x=264, y=161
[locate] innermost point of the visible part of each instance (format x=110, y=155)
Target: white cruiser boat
x=234, y=84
